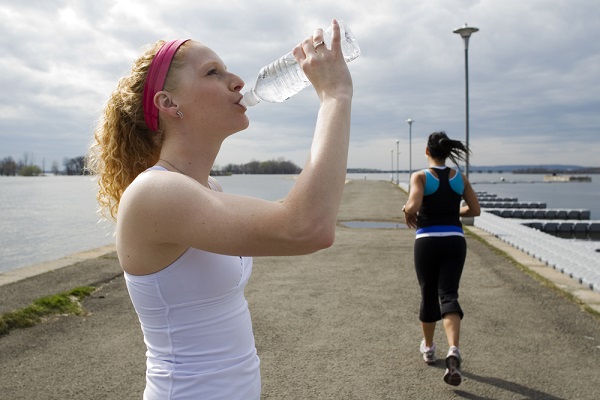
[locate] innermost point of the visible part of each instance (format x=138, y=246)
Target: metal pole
x=467, y=103
x=392, y=169
x=397, y=162
x=410, y=122
x=465, y=32
x=410, y=148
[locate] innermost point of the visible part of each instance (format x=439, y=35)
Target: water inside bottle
x=283, y=78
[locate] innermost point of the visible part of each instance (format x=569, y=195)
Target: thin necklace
x=176, y=169
x=171, y=165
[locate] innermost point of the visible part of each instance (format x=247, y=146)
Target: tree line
x=76, y=166
x=26, y=167
x=279, y=166
x=558, y=170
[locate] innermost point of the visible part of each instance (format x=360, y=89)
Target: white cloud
x=534, y=73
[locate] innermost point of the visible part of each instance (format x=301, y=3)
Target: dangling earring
x=180, y=114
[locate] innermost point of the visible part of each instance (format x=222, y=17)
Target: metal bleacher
x=566, y=240
x=565, y=223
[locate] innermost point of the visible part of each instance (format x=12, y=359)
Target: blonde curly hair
x=123, y=145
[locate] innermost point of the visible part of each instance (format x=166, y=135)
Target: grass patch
x=62, y=303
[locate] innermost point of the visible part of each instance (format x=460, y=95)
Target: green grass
x=62, y=303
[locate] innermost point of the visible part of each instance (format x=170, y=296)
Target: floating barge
x=567, y=178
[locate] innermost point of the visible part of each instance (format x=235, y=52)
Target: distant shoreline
x=504, y=181
x=517, y=170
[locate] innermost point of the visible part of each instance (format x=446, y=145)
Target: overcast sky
x=534, y=74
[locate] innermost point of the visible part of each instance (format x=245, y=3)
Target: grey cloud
x=534, y=71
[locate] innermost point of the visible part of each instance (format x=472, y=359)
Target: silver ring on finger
x=317, y=44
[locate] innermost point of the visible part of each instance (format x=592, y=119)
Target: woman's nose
x=237, y=83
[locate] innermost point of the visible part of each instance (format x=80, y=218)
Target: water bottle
x=283, y=78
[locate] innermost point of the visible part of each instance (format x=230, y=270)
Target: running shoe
x=453, y=360
x=428, y=353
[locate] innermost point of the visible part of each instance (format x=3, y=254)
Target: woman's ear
x=164, y=103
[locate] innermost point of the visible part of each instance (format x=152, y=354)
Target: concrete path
x=338, y=324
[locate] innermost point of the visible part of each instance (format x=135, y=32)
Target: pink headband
x=155, y=80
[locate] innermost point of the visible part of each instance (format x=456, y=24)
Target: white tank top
x=197, y=328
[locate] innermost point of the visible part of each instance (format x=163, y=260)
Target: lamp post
x=465, y=32
x=392, y=169
x=410, y=122
x=397, y=162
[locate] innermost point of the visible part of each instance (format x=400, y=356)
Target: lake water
x=46, y=218
x=530, y=188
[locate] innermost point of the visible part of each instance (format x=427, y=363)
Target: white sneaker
x=453, y=359
x=428, y=353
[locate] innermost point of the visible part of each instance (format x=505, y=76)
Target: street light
x=397, y=162
x=392, y=169
x=410, y=122
x=465, y=32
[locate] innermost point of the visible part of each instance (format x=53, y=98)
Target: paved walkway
x=338, y=324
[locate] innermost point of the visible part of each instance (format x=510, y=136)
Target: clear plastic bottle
x=283, y=78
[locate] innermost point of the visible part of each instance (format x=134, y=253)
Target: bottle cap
x=250, y=99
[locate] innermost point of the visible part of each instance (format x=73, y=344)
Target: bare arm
x=172, y=211
x=472, y=208
x=415, y=198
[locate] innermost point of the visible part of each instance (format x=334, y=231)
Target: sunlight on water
x=46, y=218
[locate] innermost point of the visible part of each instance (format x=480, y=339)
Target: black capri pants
x=439, y=262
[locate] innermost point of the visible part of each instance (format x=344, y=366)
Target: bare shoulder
x=150, y=210
x=159, y=187
x=158, y=198
x=418, y=177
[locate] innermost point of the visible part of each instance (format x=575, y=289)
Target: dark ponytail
x=441, y=146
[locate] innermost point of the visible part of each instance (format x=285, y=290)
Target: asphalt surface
x=338, y=324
